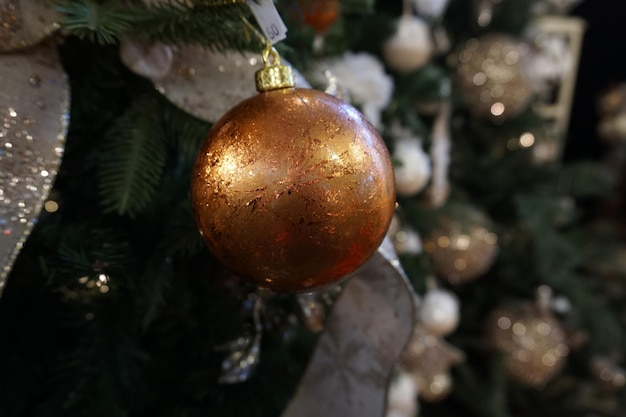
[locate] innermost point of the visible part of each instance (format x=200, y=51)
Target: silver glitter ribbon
x=369, y=327
x=25, y=23
x=34, y=103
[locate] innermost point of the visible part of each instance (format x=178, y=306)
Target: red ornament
x=320, y=14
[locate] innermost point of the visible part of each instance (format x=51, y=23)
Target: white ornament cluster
x=550, y=63
x=363, y=76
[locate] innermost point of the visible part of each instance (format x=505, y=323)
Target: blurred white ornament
x=408, y=242
x=152, y=61
x=554, y=6
x=613, y=129
x=433, y=9
x=439, y=312
x=612, y=111
x=440, y=150
x=402, y=396
x=410, y=47
x=550, y=62
x=413, y=170
x=335, y=86
x=364, y=78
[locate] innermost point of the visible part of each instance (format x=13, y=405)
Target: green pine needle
x=132, y=161
x=102, y=23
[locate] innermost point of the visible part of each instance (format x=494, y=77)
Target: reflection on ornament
x=531, y=340
x=410, y=47
x=206, y=83
x=429, y=358
x=34, y=104
x=491, y=76
x=462, y=252
x=25, y=23
x=293, y=188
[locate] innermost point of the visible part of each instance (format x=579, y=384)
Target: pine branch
x=216, y=27
x=104, y=23
x=132, y=161
x=175, y=22
x=181, y=237
x=183, y=132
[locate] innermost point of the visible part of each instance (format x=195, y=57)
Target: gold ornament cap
x=273, y=75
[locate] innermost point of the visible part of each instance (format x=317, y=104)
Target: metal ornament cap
x=273, y=75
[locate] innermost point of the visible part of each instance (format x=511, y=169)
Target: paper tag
x=268, y=18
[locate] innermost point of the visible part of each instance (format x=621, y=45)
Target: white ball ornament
x=411, y=45
x=402, y=396
x=433, y=9
x=439, y=312
x=413, y=168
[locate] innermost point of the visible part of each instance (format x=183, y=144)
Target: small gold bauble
x=531, y=339
x=609, y=376
x=492, y=78
x=434, y=388
x=428, y=358
x=293, y=189
x=462, y=249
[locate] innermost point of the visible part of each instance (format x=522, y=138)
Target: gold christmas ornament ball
x=434, y=388
x=462, y=250
x=293, y=189
x=491, y=76
x=532, y=341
